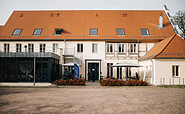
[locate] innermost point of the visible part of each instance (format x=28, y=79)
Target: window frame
x=120, y=34
x=121, y=47
x=174, y=69
x=16, y=34
x=30, y=47
x=80, y=47
x=18, y=47
x=58, y=29
x=43, y=48
x=6, y=47
x=93, y=34
x=37, y=34
x=133, y=48
x=109, y=70
x=94, y=50
x=110, y=48
x=148, y=33
x=55, y=47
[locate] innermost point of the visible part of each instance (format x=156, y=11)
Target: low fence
x=172, y=81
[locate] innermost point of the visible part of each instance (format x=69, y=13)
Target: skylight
x=37, y=32
x=93, y=31
x=144, y=32
x=120, y=32
x=17, y=32
x=58, y=31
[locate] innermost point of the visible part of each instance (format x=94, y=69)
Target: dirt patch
x=92, y=100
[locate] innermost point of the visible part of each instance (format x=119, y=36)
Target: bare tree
x=180, y=21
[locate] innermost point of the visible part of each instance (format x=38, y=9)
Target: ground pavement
x=92, y=98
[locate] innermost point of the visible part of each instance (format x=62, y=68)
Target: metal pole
x=163, y=82
x=34, y=71
x=179, y=81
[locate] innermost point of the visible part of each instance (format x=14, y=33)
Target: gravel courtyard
x=92, y=99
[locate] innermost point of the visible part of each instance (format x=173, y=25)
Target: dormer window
x=145, y=32
x=16, y=32
x=37, y=32
x=120, y=32
x=58, y=31
x=93, y=32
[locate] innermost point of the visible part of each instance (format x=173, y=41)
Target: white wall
x=163, y=69
x=87, y=52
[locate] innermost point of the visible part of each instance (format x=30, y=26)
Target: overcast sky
x=8, y=6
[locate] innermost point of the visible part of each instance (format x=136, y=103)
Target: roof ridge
x=166, y=45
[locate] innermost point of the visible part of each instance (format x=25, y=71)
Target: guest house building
x=34, y=44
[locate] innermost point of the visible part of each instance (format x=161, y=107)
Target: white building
x=164, y=64
x=94, y=39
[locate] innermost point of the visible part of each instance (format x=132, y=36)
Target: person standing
x=89, y=74
x=93, y=75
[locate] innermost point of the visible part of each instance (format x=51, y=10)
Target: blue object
x=76, y=71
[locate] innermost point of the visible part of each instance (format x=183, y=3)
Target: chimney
x=160, y=26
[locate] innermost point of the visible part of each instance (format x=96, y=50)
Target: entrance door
x=94, y=66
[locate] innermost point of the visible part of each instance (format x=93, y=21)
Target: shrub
x=116, y=82
x=76, y=81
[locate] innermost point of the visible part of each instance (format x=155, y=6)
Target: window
x=58, y=31
x=25, y=48
x=94, y=31
x=175, y=70
x=121, y=48
x=42, y=47
x=94, y=48
x=120, y=32
x=109, y=48
x=119, y=72
x=37, y=32
x=144, y=32
x=55, y=47
x=18, y=47
x=30, y=47
x=16, y=32
x=109, y=70
x=133, y=48
x=79, y=47
x=6, y=47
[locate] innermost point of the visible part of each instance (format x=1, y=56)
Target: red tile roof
x=1, y=29
x=172, y=47
x=76, y=24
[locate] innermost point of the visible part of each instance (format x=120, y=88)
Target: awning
x=126, y=65
x=68, y=64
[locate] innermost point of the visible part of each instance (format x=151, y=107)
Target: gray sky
x=8, y=6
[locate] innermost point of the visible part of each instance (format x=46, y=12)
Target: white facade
x=160, y=71
x=70, y=48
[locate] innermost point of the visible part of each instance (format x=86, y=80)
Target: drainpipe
x=34, y=71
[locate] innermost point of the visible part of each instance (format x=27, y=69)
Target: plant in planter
x=76, y=81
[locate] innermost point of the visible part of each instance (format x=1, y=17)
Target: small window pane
x=93, y=31
x=144, y=32
x=107, y=47
x=120, y=48
x=94, y=48
x=177, y=70
x=111, y=48
x=58, y=31
x=17, y=31
x=120, y=32
x=37, y=32
x=123, y=48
